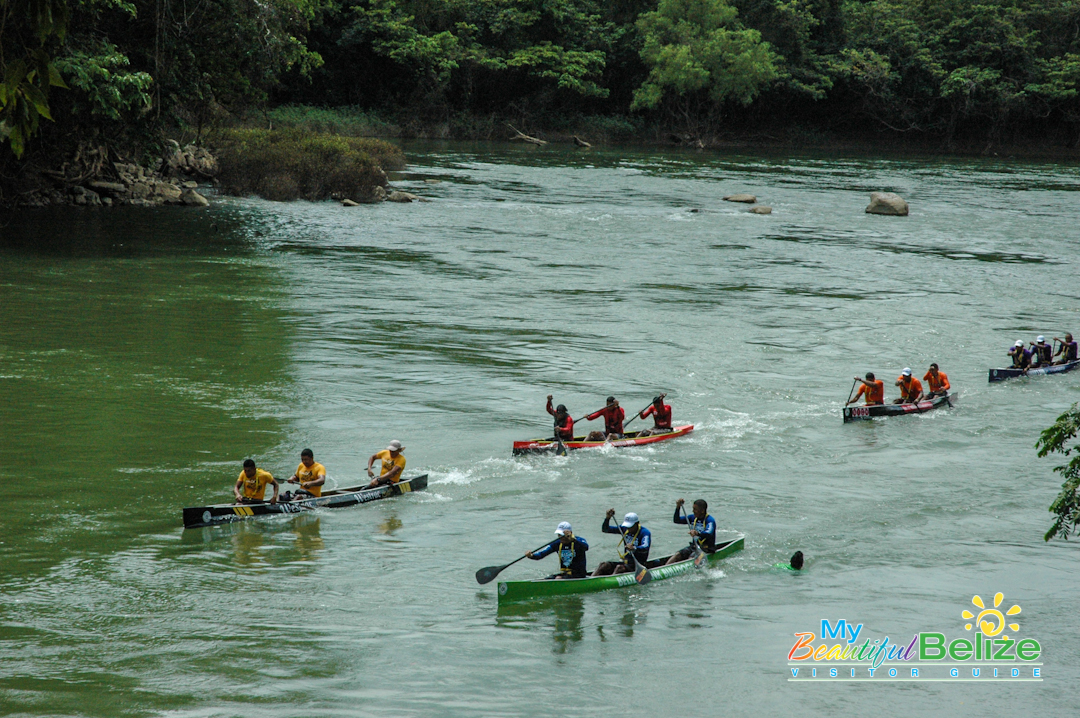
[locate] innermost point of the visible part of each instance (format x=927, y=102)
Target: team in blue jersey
x=702, y=530
x=637, y=540
x=570, y=549
x=636, y=543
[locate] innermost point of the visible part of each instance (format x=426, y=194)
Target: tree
x=1067, y=503
x=29, y=29
x=695, y=47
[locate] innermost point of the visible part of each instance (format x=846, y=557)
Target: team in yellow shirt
x=310, y=476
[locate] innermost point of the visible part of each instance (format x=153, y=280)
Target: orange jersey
x=909, y=391
x=875, y=393
x=941, y=383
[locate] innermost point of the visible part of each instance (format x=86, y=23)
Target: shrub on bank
x=285, y=165
x=351, y=121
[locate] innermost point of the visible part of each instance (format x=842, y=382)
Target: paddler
x=310, y=474
x=661, y=414
x=1021, y=357
x=636, y=539
x=910, y=388
x=1042, y=351
x=564, y=425
x=873, y=389
x=702, y=530
x=393, y=464
x=1067, y=350
x=613, y=421
x=938, y=381
x=795, y=564
x=571, y=550
x=253, y=483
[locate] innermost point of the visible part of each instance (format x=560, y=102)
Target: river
x=144, y=353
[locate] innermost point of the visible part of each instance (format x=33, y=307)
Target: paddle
x=642, y=409
x=699, y=555
x=485, y=575
x=641, y=573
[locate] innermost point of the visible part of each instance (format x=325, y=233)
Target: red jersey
x=661, y=417
x=613, y=418
x=564, y=431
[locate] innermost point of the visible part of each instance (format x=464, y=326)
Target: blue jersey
x=706, y=529
x=571, y=556
x=639, y=542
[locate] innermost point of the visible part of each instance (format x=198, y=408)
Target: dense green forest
x=86, y=76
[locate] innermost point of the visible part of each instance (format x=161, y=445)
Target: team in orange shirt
x=911, y=389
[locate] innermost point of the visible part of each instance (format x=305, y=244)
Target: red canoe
x=537, y=446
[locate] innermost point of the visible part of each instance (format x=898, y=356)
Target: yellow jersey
x=305, y=474
x=389, y=463
x=255, y=487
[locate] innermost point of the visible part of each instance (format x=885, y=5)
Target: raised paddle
x=485, y=575
x=641, y=573
x=661, y=397
x=852, y=390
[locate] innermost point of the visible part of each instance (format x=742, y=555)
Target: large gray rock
x=761, y=209
x=109, y=187
x=193, y=199
x=747, y=198
x=349, y=203
x=398, y=196
x=887, y=203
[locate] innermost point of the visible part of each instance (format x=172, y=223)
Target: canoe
x=542, y=587
x=859, y=413
x=197, y=516
x=537, y=446
x=1011, y=373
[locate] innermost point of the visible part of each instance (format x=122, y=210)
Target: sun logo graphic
x=996, y=623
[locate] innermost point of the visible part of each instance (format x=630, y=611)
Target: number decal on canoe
x=860, y=411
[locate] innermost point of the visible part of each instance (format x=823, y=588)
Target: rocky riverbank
x=173, y=179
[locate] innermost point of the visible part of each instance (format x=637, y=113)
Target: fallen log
x=520, y=136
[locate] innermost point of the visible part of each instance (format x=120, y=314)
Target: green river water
x=144, y=353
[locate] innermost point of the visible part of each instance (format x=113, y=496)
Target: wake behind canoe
x=860, y=413
x=1012, y=373
x=537, y=588
x=633, y=438
x=197, y=516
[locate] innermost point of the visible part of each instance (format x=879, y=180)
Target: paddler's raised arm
x=679, y=519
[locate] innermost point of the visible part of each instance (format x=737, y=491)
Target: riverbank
x=635, y=131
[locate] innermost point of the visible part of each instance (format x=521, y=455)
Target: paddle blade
x=642, y=576
x=485, y=575
x=699, y=559
x=560, y=449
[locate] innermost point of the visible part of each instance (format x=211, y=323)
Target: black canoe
x=197, y=516
x=860, y=413
x=1012, y=373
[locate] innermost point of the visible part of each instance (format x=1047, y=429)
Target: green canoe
x=537, y=588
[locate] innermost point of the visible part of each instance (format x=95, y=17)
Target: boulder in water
x=193, y=199
x=747, y=198
x=349, y=203
x=887, y=203
x=761, y=209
